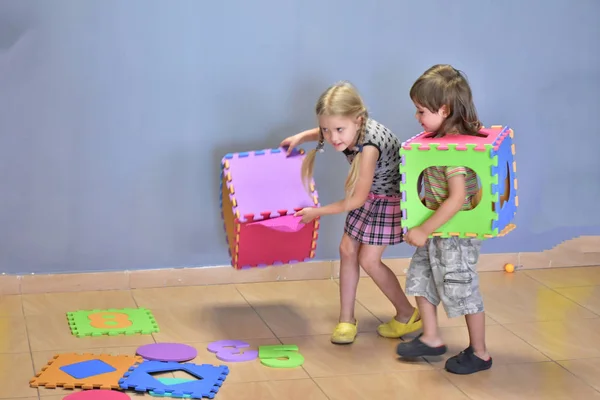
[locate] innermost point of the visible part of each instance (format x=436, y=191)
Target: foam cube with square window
x=260, y=193
x=491, y=157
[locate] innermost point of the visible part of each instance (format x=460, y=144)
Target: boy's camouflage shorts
x=445, y=270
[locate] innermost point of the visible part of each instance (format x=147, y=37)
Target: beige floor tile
x=54, y=397
x=496, y=261
x=587, y=296
x=247, y=371
x=567, y=277
x=61, y=303
x=508, y=282
x=15, y=372
x=313, y=270
x=532, y=381
x=399, y=266
x=209, y=322
x=219, y=275
x=587, y=369
x=534, y=260
x=201, y=313
x=35, y=398
x=368, y=354
x=54, y=283
x=298, y=389
x=267, y=292
x=561, y=340
x=10, y=306
x=518, y=298
x=292, y=319
x=504, y=346
x=10, y=285
x=369, y=295
x=170, y=277
x=13, y=335
x=422, y=385
x=302, y=308
x=187, y=296
x=52, y=332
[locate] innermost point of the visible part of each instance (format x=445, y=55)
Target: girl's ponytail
x=308, y=164
x=352, y=178
x=308, y=167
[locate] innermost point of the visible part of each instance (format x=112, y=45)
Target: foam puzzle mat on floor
x=209, y=379
x=85, y=371
x=112, y=322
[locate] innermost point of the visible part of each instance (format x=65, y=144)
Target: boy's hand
x=308, y=214
x=416, y=237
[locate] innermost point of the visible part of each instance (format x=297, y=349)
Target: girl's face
x=430, y=121
x=340, y=132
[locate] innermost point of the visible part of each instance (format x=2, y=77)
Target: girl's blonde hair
x=341, y=99
x=443, y=85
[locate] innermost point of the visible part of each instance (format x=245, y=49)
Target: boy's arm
x=452, y=205
x=368, y=163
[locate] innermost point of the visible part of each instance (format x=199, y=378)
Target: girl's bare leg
x=349, y=276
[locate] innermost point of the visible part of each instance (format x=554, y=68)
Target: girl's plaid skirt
x=377, y=222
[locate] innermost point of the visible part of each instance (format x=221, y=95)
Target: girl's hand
x=292, y=142
x=416, y=237
x=308, y=214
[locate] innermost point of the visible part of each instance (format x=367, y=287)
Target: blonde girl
x=372, y=203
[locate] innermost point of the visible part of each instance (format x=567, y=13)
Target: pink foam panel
x=425, y=140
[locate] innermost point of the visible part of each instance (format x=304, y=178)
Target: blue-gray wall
x=114, y=115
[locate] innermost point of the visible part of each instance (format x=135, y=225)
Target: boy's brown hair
x=443, y=85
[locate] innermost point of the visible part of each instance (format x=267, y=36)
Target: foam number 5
x=280, y=356
x=229, y=350
x=109, y=320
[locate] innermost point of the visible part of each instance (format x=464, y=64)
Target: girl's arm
x=366, y=171
x=452, y=205
x=310, y=135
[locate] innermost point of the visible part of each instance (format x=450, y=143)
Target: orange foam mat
x=52, y=376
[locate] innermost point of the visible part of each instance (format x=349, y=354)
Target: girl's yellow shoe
x=394, y=329
x=344, y=333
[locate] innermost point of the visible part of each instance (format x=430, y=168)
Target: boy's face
x=430, y=121
x=340, y=132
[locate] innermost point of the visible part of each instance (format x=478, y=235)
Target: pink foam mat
x=427, y=138
x=288, y=223
x=268, y=183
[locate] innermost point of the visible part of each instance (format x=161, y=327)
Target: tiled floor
x=543, y=330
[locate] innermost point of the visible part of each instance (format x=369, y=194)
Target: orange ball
x=509, y=268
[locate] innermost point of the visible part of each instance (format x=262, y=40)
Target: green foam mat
x=112, y=322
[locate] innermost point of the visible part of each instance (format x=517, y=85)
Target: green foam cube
x=492, y=159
